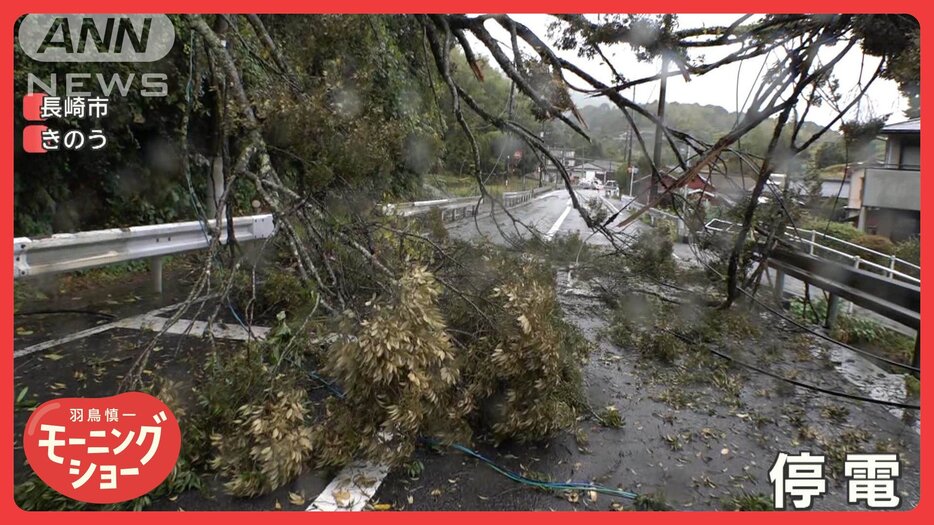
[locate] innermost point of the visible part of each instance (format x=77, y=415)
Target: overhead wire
x=795, y=382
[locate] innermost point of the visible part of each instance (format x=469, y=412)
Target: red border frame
x=10, y=13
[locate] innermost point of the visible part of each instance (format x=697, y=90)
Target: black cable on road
x=815, y=332
x=105, y=315
x=794, y=382
x=827, y=337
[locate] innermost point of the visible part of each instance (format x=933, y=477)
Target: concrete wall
x=903, y=151
x=855, y=201
x=897, y=225
x=892, y=188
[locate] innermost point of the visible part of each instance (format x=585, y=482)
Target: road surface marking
x=67, y=339
x=45, y=345
x=351, y=489
x=196, y=328
x=615, y=210
x=151, y=321
x=557, y=225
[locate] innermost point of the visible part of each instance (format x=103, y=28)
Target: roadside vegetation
x=855, y=330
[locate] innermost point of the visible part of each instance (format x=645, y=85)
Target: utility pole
x=541, y=159
x=632, y=131
x=216, y=182
x=659, y=127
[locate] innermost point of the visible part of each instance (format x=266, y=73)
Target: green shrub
x=652, y=253
x=876, y=242
x=610, y=418
x=857, y=331
x=840, y=230
x=909, y=250
x=34, y=494
x=661, y=346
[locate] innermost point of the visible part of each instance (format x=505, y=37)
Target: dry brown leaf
x=296, y=499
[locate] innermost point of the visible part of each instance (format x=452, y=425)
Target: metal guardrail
x=461, y=207
x=68, y=252
x=656, y=214
x=896, y=300
x=713, y=225
x=432, y=203
x=808, y=239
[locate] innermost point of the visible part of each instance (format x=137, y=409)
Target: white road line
x=351, y=489
x=557, y=225
x=196, y=328
x=615, y=210
x=45, y=345
x=152, y=322
x=67, y=339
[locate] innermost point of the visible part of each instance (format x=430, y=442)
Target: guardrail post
x=916, y=358
x=155, y=270
x=813, y=240
x=779, y=285
x=856, y=260
x=892, y=260
x=833, y=310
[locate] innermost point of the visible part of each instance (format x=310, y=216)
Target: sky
x=727, y=86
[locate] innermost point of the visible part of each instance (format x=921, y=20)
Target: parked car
x=611, y=189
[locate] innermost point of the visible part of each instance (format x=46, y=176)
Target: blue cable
x=519, y=478
x=330, y=386
x=571, y=485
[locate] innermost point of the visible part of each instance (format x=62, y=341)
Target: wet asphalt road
x=549, y=215
x=639, y=457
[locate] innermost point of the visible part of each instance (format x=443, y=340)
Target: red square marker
x=32, y=105
x=32, y=139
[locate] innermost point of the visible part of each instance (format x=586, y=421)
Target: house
x=885, y=199
x=608, y=167
x=701, y=185
x=834, y=188
x=563, y=155
x=588, y=171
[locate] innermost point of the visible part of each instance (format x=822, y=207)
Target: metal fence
x=462, y=207
x=823, y=245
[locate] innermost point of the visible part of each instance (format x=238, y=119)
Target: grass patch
x=857, y=331
x=651, y=501
x=913, y=386
x=610, y=417
x=750, y=502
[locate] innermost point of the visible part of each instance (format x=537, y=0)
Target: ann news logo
x=96, y=38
